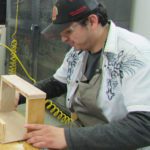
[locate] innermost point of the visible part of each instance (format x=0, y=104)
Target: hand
x=45, y=136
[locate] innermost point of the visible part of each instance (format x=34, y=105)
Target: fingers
x=45, y=136
x=37, y=142
x=33, y=126
x=29, y=135
x=36, y=139
x=34, y=130
x=32, y=134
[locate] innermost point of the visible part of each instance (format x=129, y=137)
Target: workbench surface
x=17, y=146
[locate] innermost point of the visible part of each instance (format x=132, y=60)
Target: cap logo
x=54, y=13
x=78, y=11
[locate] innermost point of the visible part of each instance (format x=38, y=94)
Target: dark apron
x=85, y=103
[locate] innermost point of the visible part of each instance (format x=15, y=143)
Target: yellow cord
x=17, y=58
x=13, y=49
x=57, y=112
x=12, y=68
x=13, y=62
x=16, y=24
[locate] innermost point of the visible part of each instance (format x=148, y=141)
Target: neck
x=100, y=39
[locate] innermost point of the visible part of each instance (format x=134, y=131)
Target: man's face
x=77, y=36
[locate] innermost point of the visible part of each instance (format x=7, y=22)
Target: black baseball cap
x=67, y=11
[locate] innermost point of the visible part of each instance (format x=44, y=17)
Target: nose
x=64, y=38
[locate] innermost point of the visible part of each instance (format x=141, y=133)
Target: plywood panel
x=7, y=95
x=2, y=130
x=23, y=86
x=14, y=126
x=35, y=111
x=11, y=122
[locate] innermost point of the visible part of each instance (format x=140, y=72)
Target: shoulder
x=74, y=55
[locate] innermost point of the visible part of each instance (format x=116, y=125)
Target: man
x=106, y=77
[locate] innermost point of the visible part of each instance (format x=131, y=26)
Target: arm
x=50, y=86
x=56, y=85
x=129, y=133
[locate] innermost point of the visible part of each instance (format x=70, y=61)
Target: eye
x=69, y=31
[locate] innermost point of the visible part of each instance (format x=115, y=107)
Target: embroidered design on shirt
x=72, y=61
x=118, y=66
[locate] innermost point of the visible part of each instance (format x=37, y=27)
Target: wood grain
x=14, y=126
x=11, y=122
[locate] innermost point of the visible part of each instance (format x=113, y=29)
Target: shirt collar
x=111, y=43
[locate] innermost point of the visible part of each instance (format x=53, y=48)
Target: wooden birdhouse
x=12, y=122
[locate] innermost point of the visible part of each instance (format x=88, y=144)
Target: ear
x=93, y=20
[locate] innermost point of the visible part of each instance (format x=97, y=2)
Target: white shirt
x=126, y=74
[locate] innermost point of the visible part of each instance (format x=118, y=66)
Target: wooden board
x=7, y=95
x=13, y=124
x=25, y=88
x=2, y=130
x=36, y=107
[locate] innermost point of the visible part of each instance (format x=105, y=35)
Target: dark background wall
x=2, y=11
